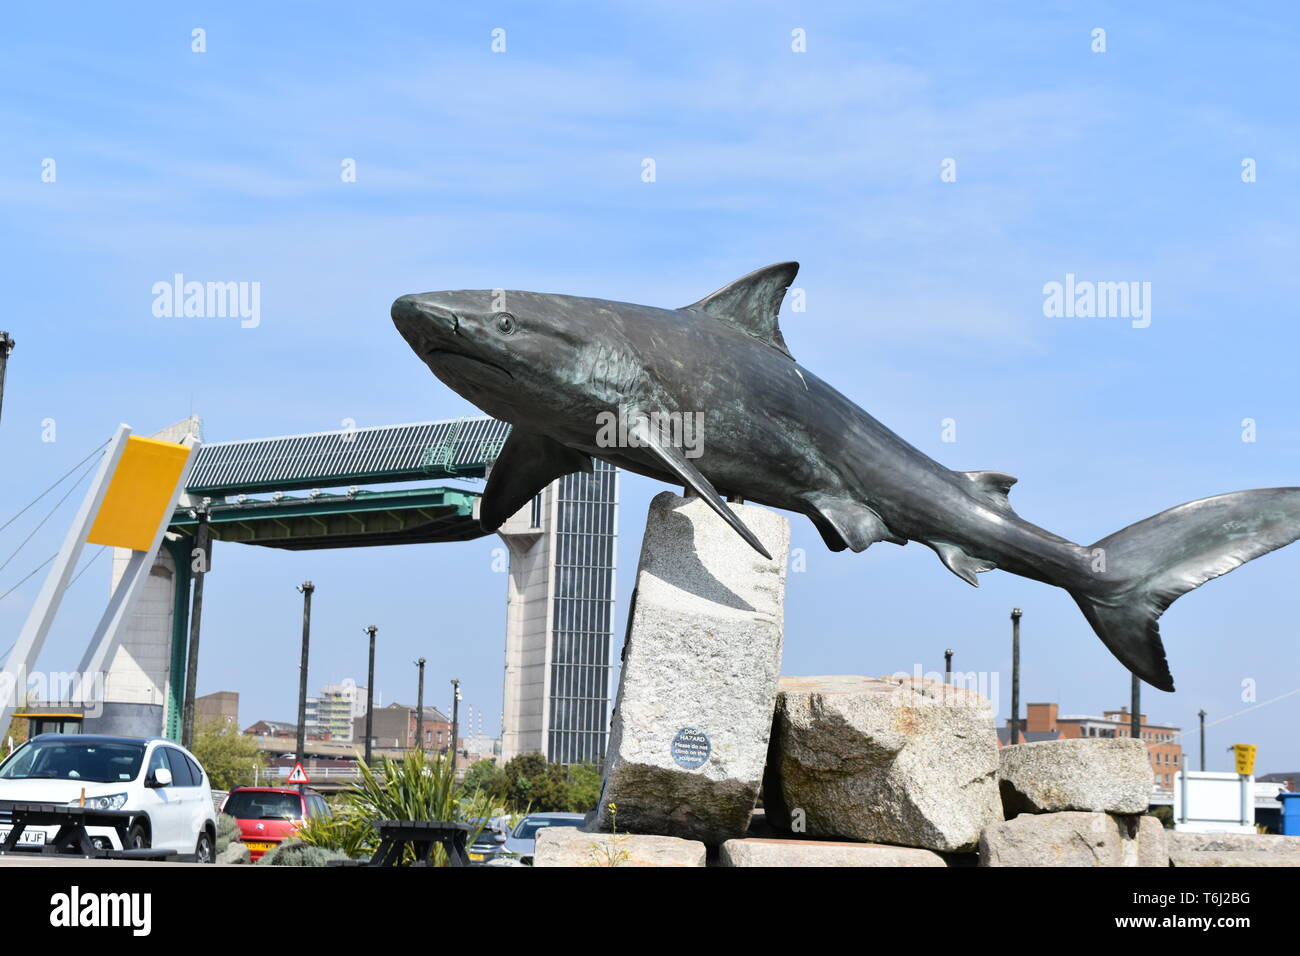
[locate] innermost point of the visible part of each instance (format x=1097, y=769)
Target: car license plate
x=260, y=847
x=476, y=857
x=28, y=837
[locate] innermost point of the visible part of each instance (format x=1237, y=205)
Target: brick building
x=394, y=727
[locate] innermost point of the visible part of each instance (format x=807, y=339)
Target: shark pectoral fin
x=675, y=461
x=960, y=563
x=848, y=523
x=992, y=486
x=528, y=462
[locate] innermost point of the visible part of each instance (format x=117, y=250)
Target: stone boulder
x=688, y=738
x=235, y=853
x=1094, y=774
x=1075, y=838
x=894, y=760
x=1233, y=849
x=764, y=852
x=568, y=846
x=1242, y=858
x=1184, y=842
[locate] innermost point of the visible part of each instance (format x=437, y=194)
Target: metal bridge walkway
x=229, y=472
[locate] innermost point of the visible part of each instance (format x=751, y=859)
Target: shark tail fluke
x=1147, y=566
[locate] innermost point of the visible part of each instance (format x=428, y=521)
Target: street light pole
x=1201, y=714
x=1015, y=676
x=370, y=693
x=1135, y=728
x=201, y=559
x=419, y=709
x=455, y=719
x=6, y=346
x=306, y=588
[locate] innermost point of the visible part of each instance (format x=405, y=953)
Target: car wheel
x=137, y=838
x=203, y=849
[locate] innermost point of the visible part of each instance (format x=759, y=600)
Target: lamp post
x=1135, y=728
x=419, y=709
x=200, y=559
x=455, y=719
x=1015, y=676
x=1201, y=714
x=947, y=666
x=306, y=589
x=370, y=693
x=6, y=346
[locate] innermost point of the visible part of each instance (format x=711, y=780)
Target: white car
x=157, y=779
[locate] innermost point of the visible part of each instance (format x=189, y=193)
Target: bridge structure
x=339, y=489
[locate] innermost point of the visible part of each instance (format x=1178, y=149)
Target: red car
x=269, y=815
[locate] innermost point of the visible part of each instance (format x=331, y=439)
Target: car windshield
x=263, y=805
x=528, y=826
x=95, y=761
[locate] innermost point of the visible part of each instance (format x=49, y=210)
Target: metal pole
x=203, y=545
x=1201, y=714
x=306, y=588
x=1183, y=787
x=1015, y=675
x=947, y=666
x=455, y=718
x=370, y=694
x=6, y=346
x=1135, y=728
x=419, y=709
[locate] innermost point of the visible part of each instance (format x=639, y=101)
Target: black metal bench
x=71, y=837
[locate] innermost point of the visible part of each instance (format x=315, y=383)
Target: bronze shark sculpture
x=560, y=368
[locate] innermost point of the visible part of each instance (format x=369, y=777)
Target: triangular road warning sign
x=298, y=775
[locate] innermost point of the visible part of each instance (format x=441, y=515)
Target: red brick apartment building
x=1044, y=722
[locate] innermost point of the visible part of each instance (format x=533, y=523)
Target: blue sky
x=523, y=170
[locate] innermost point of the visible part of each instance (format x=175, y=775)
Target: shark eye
x=505, y=323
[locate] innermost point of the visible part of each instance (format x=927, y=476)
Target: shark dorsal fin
x=752, y=302
x=992, y=486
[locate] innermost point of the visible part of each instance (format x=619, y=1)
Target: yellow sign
x=1245, y=754
x=140, y=494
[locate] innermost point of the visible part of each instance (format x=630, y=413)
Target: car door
x=188, y=806
x=160, y=803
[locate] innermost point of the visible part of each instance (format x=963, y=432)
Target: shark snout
x=422, y=323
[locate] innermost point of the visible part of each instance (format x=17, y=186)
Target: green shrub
x=227, y=831
x=297, y=853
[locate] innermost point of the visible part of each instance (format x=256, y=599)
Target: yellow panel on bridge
x=139, y=494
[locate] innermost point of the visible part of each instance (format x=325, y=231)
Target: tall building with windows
x=330, y=715
x=560, y=619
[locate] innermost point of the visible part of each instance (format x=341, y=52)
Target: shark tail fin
x=1147, y=566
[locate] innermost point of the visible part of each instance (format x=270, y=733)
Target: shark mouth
x=443, y=355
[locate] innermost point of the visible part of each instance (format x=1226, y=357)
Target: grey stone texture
x=897, y=760
x=1109, y=775
x=1075, y=838
x=1233, y=849
x=236, y=853
x=568, y=846
x=768, y=852
x=701, y=662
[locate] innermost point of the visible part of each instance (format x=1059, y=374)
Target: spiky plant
x=415, y=787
